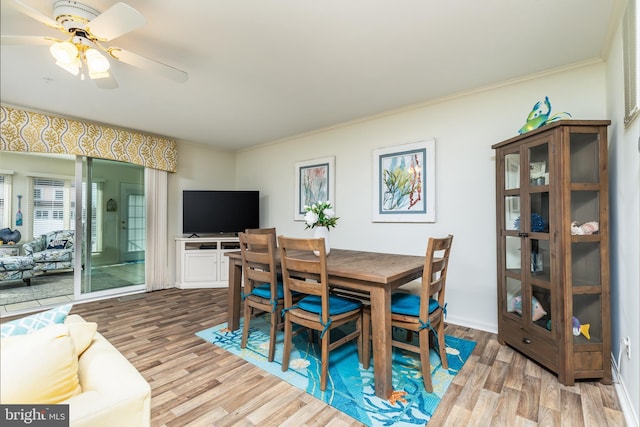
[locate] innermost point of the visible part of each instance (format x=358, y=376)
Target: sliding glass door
x=113, y=222
x=92, y=215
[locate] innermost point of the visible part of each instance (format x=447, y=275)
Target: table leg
x=381, y=339
x=235, y=290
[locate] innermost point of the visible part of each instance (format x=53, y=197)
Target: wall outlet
x=627, y=345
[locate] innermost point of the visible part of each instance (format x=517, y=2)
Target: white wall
x=464, y=127
x=199, y=168
x=624, y=175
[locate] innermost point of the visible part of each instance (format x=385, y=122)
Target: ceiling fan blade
x=119, y=19
x=148, y=64
x=27, y=40
x=37, y=15
x=107, y=82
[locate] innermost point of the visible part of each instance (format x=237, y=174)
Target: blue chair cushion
x=264, y=291
x=337, y=305
x=409, y=304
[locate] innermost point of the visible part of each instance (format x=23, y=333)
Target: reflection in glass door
x=132, y=222
x=111, y=258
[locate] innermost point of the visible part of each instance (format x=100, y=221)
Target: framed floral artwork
x=315, y=182
x=404, y=183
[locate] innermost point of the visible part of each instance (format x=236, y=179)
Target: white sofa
x=46, y=361
x=114, y=393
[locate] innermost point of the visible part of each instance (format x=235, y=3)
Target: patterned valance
x=40, y=133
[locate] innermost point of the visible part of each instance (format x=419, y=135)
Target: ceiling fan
x=82, y=53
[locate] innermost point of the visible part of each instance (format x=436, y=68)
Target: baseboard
x=630, y=417
x=471, y=323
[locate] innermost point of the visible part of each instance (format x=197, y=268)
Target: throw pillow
x=57, y=244
x=39, y=368
x=26, y=325
x=82, y=335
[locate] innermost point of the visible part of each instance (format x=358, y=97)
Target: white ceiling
x=263, y=70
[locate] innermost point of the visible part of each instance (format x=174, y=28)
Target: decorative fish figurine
x=537, y=311
x=538, y=117
x=579, y=328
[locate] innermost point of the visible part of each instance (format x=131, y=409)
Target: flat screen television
x=219, y=212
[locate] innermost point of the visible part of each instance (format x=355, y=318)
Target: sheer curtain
x=155, y=182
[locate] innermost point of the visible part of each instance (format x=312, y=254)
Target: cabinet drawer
x=539, y=349
x=588, y=361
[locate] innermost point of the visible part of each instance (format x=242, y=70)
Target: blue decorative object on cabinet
x=538, y=117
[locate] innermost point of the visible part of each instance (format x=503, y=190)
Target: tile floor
x=21, y=307
x=132, y=273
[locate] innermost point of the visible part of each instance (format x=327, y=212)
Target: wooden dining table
x=371, y=274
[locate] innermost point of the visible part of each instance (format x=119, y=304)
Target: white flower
x=320, y=214
x=311, y=218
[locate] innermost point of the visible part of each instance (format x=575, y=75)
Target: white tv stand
x=200, y=261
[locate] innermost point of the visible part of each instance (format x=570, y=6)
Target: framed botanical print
x=315, y=182
x=404, y=183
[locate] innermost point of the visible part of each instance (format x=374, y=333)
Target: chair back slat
x=435, y=273
x=268, y=231
x=258, y=260
x=303, y=271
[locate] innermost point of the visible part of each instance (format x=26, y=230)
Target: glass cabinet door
x=538, y=251
x=512, y=289
x=538, y=156
x=512, y=193
x=586, y=252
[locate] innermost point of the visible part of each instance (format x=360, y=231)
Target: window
x=5, y=200
x=46, y=201
x=54, y=207
x=631, y=43
x=136, y=232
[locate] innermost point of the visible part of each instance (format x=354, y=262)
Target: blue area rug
x=350, y=388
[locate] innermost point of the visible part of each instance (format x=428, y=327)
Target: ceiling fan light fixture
x=86, y=28
x=102, y=75
x=96, y=62
x=73, y=68
x=64, y=52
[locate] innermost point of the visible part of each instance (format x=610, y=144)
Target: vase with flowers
x=320, y=216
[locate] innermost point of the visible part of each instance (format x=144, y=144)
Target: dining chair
x=423, y=313
x=262, y=290
x=271, y=231
x=317, y=310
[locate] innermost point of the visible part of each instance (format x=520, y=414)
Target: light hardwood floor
x=197, y=384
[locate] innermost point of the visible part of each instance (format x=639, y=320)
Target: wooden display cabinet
x=553, y=248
